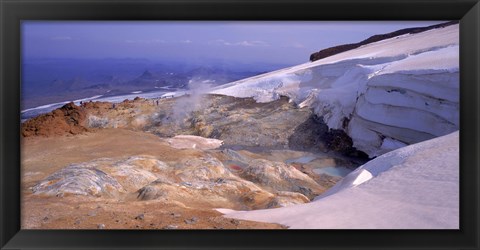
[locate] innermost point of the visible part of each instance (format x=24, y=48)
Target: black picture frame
x=13, y=11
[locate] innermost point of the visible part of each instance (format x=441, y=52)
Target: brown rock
x=68, y=119
x=277, y=176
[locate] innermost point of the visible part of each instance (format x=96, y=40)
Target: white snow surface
x=415, y=187
x=393, y=93
x=193, y=141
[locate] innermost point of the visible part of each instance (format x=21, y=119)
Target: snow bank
x=389, y=93
x=192, y=141
x=415, y=187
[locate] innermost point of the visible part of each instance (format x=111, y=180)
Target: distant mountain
x=46, y=81
x=146, y=80
x=147, y=75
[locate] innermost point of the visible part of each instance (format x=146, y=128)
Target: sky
x=237, y=41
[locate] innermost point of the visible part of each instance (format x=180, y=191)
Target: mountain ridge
x=375, y=38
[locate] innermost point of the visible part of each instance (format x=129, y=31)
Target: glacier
x=414, y=187
x=384, y=95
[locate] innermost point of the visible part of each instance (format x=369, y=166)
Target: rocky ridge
x=345, y=47
x=69, y=119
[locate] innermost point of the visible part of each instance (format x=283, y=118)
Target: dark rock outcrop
x=345, y=47
x=308, y=135
x=339, y=141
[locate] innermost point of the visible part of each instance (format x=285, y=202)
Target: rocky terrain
x=414, y=187
x=68, y=119
x=143, y=164
x=273, y=148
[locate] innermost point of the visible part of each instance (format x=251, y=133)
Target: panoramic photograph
x=179, y=125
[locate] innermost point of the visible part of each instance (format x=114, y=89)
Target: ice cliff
x=384, y=95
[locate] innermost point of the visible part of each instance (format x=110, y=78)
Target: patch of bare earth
x=142, y=165
x=86, y=213
x=44, y=156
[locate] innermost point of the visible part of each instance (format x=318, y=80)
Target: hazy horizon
x=280, y=42
x=68, y=60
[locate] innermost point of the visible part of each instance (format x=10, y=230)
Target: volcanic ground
x=168, y=163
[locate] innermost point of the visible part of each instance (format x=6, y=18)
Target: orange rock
x=68, y=119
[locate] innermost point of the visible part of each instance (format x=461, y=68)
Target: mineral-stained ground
x=143, y=165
